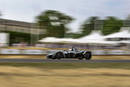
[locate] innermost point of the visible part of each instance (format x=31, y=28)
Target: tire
x=59, y=55
x=88, y=55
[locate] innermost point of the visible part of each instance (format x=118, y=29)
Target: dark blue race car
x=71, y=53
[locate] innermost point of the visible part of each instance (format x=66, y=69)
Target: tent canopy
x=121, y=34
x=53, y=39
x=95, y=35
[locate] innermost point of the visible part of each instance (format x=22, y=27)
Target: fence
x=44, y=52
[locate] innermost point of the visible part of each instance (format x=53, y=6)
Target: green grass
x=70, y=65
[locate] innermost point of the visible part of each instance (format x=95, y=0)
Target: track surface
x=60, y=61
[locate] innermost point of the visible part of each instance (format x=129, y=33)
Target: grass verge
x=64, y=74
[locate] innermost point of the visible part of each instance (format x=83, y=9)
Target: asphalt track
x=60, y=61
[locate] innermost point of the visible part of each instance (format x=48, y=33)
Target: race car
x=71, y=53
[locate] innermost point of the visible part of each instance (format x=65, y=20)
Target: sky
x=27, y=10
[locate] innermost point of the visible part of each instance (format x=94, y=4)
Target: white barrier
x=10, y=51
x=117, y=52
x=110, y=52
x=98, y=52
x=18, y=51
x=41, y=52
x=32, y=52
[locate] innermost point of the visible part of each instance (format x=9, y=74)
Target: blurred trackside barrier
x=44, y=51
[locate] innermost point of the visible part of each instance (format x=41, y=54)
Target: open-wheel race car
x=71, y=53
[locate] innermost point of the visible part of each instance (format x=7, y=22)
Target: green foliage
x=86, y=28
x=73, y=35
x=111, y=25
x=54, y=23
x=89, y=25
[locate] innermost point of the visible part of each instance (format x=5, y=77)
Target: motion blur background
x=101, y=26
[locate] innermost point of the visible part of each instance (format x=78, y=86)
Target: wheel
x=87, y=55
x=59, y=55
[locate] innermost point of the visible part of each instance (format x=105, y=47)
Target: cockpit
x=73, y=49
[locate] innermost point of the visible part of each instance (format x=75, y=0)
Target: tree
x=89, y=25
x=54, y=23
x=73, y=35
x=86, y=28
x=111, y=25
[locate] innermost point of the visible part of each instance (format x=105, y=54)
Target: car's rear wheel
x=59, y=55
x=87, y=55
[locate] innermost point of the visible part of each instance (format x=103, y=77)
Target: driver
x=74, y=49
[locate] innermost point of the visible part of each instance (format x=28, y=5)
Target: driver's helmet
x=70, y=49
x=74, y=49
